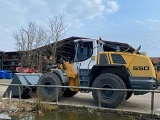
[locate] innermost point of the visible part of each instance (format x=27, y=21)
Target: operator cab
x=85, y=58
x=86, y=53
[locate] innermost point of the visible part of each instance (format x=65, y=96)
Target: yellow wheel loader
x=95, y=67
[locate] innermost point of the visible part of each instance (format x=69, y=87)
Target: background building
x=11, y=60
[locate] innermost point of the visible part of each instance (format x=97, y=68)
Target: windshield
x=84, y=51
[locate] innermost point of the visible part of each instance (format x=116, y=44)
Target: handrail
x=89, y=88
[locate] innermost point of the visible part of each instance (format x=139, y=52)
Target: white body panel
x=90, y=62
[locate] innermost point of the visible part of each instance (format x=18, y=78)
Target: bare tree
x=27, y=42
x=30, y=39
x=56, y=31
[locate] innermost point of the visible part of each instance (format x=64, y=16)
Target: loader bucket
x=23, y=79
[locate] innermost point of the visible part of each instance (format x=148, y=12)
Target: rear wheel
x=69, y=93
x=49, y=93
x=109, y=98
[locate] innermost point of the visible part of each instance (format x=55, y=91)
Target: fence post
x=10, y=97
x=152, y=103
x=99, y=99
x=19, y=91
x=57, y=95
x=6, y=94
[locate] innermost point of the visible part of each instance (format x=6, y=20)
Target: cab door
x=85, y=55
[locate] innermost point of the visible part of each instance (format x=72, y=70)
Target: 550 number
x=140, y=67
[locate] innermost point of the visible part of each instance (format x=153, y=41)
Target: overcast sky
x=136, y=22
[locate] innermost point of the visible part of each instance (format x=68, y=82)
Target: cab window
x=117, y=58
x=84, y=51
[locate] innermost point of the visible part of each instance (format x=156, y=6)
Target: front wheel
x=109, y=98
x=49, y=93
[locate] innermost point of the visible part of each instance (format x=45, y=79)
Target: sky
x=136, y=22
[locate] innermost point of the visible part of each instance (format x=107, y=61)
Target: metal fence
x=147, y=103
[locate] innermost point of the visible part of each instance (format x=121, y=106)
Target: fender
x=62, y=75
x=119, y=70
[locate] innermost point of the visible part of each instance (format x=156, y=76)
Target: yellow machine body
x=72, y=74
x=138, y=65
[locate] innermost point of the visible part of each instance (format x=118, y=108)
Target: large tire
x=49, y=93
x=109, y=99
x=69, y=93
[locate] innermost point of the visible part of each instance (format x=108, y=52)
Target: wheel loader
x=96, y=68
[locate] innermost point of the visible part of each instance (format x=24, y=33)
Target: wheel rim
x=107, y=94
x=47, y=90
